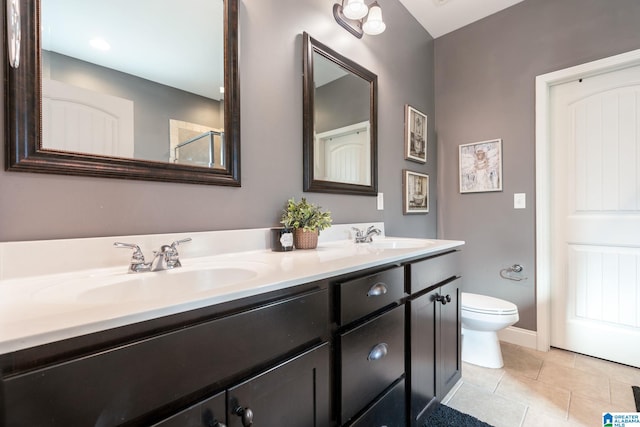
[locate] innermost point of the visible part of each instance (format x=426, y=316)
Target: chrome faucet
x=366, y=236
x=164, y=259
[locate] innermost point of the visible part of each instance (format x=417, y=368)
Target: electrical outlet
x=380, y=201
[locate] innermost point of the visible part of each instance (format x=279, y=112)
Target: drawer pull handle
x=246, y=415
x=378, y=352
x=377, y=290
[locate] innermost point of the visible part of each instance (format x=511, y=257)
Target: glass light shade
x=355, y=9
x=374, y=24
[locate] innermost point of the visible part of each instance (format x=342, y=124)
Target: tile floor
x=535, y=389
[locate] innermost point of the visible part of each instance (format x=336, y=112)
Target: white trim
x=519, y=336
x=544, y=83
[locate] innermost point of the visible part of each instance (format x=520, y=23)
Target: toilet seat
x=484, y=304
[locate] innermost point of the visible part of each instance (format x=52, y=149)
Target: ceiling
x=172, y=46
x=440, y=17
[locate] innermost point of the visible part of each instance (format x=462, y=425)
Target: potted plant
x=306, y=220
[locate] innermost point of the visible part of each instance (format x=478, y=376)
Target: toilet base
x=481, y=348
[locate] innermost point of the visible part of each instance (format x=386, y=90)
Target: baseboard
x=519, y=336
x=453, y=390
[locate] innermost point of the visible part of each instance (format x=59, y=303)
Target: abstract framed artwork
x=480, y=165
x=415, y=194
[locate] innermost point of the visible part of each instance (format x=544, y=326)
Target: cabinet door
x=449, y=349
x=208, y=413
x=421, y=371
x=293, y=394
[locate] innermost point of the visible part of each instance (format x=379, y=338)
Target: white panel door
x=79, y=120
x=595, y=133
x=343, y=155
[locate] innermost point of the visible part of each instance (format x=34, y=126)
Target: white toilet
x=482, y=317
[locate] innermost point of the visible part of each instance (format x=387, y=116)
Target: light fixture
x=358, y=18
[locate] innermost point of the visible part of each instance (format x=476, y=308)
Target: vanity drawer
x=119, y=385
x=434, y=270
x=365, y=295
x=388, y=411
x=371, y=359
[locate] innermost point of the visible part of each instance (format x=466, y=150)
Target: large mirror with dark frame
x=114, y=88
x=339, y=123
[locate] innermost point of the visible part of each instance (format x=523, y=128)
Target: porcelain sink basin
x=400, y=243
x=178, y=284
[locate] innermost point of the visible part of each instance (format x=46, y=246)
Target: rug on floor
x=636, y=396
x=445, y=416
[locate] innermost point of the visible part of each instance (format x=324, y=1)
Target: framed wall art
x=415, y=194
x=415, y=136
x=480, y=166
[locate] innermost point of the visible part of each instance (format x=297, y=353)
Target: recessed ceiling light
x=441, y=2
x=100, y=44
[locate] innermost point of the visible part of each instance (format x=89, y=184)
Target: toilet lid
x=486, y=304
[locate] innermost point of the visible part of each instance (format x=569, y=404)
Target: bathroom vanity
x=353, y=335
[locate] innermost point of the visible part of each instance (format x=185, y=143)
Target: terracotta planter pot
x=303, y=239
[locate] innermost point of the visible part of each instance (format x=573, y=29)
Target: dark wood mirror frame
x=311, y=46
x=23, y=118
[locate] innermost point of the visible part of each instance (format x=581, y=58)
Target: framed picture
x=415, y=194
x=415, y=136
x=480, y=166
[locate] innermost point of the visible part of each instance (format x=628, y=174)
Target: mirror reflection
x=340, y=134
x=342, y=149
x=117, y=83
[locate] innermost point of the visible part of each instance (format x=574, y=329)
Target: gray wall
x=35, y=206
x=342, y=102
x=484, y=79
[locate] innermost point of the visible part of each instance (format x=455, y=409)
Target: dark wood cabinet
x=369, y=346
x=377, y=347
x=433, y=347
x=138, y=382
x=293, y=394
x=448, y=339
x=209, y=413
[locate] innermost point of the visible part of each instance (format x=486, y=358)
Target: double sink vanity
x=350, y=334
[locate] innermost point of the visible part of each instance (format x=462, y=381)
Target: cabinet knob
x=443, y=299
x=377, y=290
x=246, y=414
x=378, y=352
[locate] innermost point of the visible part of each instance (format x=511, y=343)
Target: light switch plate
x=519, y=201
x=380, y=202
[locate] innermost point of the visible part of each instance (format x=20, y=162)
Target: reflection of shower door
x=343, y=156
x=80, y=120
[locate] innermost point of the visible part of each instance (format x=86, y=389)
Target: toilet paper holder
x=508, y=273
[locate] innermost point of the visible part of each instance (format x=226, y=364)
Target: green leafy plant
x=305, y=215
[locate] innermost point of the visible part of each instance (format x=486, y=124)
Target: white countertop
x=47, y=308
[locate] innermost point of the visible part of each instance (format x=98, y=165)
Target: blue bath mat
x=445, y=416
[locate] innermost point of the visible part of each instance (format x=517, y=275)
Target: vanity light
x=100, y=44
x=374, y=24
x=355, y=9
x=357, y=18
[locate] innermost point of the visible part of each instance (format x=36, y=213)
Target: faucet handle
x=177, y=242
x=137, y=258
x=172, y=253
x=359, y=232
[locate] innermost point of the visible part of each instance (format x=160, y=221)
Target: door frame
x=544, y=83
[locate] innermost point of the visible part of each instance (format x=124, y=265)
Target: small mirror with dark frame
x=170, y=125
x=339, y=123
